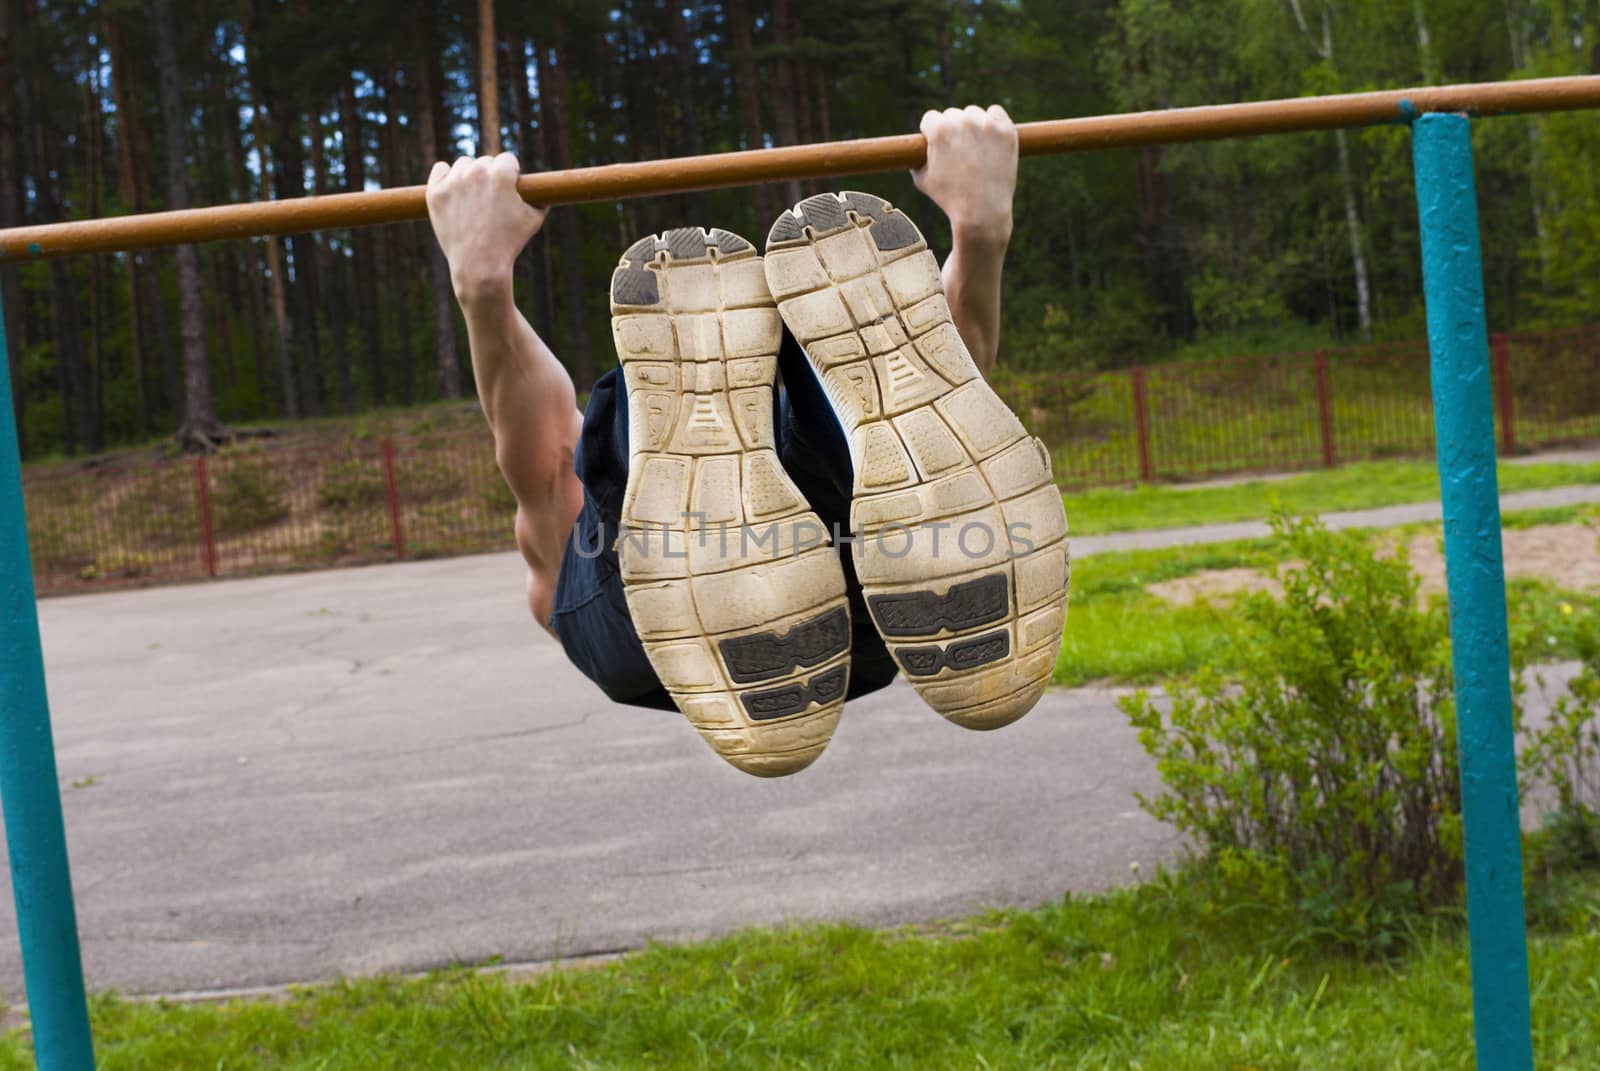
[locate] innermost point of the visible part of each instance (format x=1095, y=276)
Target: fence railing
x=274, y=509
x=266, y=510
x=1289, y=411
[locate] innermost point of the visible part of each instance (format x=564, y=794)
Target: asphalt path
x=299, y=777
x=391, y=768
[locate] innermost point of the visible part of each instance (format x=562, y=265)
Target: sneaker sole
x=733, y=586
x=961, y=536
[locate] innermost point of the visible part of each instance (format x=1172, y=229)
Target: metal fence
x=274, y=509
x=1289, y=411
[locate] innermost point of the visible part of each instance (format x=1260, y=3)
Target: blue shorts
x=591, y=617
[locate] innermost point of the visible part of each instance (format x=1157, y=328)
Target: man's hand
x=480, y=221
x=971, y=171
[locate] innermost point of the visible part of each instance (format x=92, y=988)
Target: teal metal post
x=1452, y=283
x=36, y=838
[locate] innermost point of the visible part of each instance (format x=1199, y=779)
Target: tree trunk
x=130, y=190
x=200, y=429
x=280, y=305
x=530, y=156
x=66, y=322
x=784, y=90
x=552, y=102
x=488, y=85
x=688, y=119
x=399, y=242
x=355, y=180
x=1358, y=259
x=11, y=216
x=433, y=137
x=330, y=271
x=93, y=123
x=1352, y=217
x=1430, y=73
x=744, y=75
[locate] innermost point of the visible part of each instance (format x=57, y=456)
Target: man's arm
x=526, y=394
x=971, y=174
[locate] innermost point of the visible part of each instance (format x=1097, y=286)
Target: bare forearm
x=525, y=392
x=972, y=286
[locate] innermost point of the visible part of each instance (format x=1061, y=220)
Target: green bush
x=353, y=484
x=1323, y=769
x=251, y=492
x=1565, y=756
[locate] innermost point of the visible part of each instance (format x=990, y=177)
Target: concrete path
x=392, y=768
x=290, y=778
x=1383, y=517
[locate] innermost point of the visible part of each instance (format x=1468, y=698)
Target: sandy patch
x=1213, y=585
x=1565, y=554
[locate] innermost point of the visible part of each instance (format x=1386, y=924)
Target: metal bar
x=1141, y=421
x=1501, y=347
x=208, y=532
x=36, y=838
x=1325, y=410
x=651, y=177
x=392, y=493
x=1452, y=283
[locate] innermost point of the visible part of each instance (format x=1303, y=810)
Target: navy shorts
x=591, y=617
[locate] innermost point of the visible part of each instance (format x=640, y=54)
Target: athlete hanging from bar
x=677, y=531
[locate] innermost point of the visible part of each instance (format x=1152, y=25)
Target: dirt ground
x=1566, y=554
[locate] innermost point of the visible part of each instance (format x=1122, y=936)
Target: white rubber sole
x=731, y=581
x=960, y=533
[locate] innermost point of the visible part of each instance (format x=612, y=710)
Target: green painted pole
x=36, y=838
x=1452, y=284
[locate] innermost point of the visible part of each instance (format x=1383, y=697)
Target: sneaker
x=960, y=537
x=737, y=594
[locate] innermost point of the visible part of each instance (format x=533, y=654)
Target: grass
x=1362, y=486
x=1157, y=976
x=1118, y=632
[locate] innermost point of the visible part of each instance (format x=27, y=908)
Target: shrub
x=352, y=484
x=251, y=492
x=1565, y=756
x=1324, y=771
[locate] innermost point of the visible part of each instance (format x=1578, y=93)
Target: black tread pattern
x=727, y=241
x=963, y=654
x=822, y=689
x=824, y=213
x=634, y=286
x=762, y=656
x=894, y=231
x=924, y=613
x=785, y=229
x=867, y=205
x=686, y=243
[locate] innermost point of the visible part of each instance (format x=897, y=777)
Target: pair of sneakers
x=959, y=537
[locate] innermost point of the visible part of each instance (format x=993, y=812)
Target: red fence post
x=1141, y=423
x=1501, y=348
x=1325, y=409
x=394, y=500
x=202, y=485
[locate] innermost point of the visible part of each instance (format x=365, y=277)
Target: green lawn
x=1155, y=977
x=1118, y=632
x=1363, y=486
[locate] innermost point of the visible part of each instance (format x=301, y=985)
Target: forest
x=117, y=106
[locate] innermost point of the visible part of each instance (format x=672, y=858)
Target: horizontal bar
x=651, y=177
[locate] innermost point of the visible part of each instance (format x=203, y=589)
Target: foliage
x=1117, y=257
x=1564, y=755
x=1324, y=764
x=251, y=491
x=352, y=483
